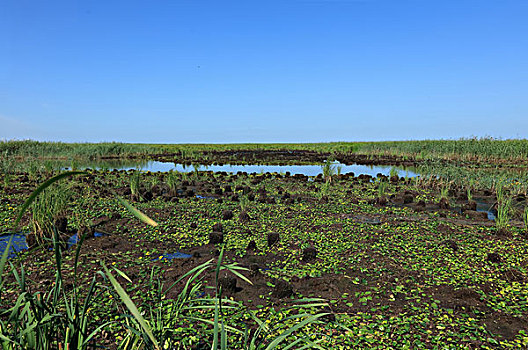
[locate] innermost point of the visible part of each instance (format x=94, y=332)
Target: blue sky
x=263, y=71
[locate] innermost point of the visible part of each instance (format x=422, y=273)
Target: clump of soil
x=493, y=257
x=309, y=254
x=273, y=237
x=282, y=289
x=216, y=237
x=228, y=284
x=244, y=216
x=227, y=214
x=451, y=244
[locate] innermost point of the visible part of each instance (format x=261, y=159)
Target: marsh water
x=305, y=169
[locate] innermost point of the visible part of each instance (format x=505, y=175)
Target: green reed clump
x=244, y=203
x=328, y=169
x=157, y=328
x=135, y=182
x=172, y=180
x=485, y=148
x=382, y=187
x=504, y=206
x=504, y=213
x=525, y=217
x=46, y=208
x=7, y=170
x=468, y=190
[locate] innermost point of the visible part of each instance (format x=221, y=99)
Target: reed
x=135, y=183
x=504, y=213
x=328, y=170
x=382, y=187
x=525, y=218
x=172, y=180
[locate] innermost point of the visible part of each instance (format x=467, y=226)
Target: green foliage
x=135, y=182
x=329, y=170
x=48, y=206
x=464, y=148
x=49, y=320
x=382, y=187
x=525, y=217
x=444, y=192
x=62, y=317
x=504, y=205
x=172, y=179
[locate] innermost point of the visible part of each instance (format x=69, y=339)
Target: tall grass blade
x=286, y=333
x=131, y=307
x=3, y=260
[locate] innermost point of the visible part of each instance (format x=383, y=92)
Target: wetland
x=392, y=250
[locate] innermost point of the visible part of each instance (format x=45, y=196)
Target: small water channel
x=19, y=242
x=487, y=208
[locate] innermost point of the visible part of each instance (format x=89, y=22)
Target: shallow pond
x=308, y=170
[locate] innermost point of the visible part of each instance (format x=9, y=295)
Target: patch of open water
x=19, y=242
x=308, y=170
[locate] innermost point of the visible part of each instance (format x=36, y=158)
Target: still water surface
x=308, y=170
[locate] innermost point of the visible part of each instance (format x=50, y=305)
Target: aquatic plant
x=382, y=187
x=166, y=316
x=135, y=183
x=46, y=208
x=504, y=213
x=328, y=170
x=172, y=179
x=469, y=194
x=444, y=192
x=244, y=203
x=53, y=319
x=525, y=217
x=62, y=317
x=471, y=149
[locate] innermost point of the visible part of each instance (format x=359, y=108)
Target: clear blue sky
x=263, y=71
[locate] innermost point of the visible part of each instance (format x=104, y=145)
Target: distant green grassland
x=466, y=148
